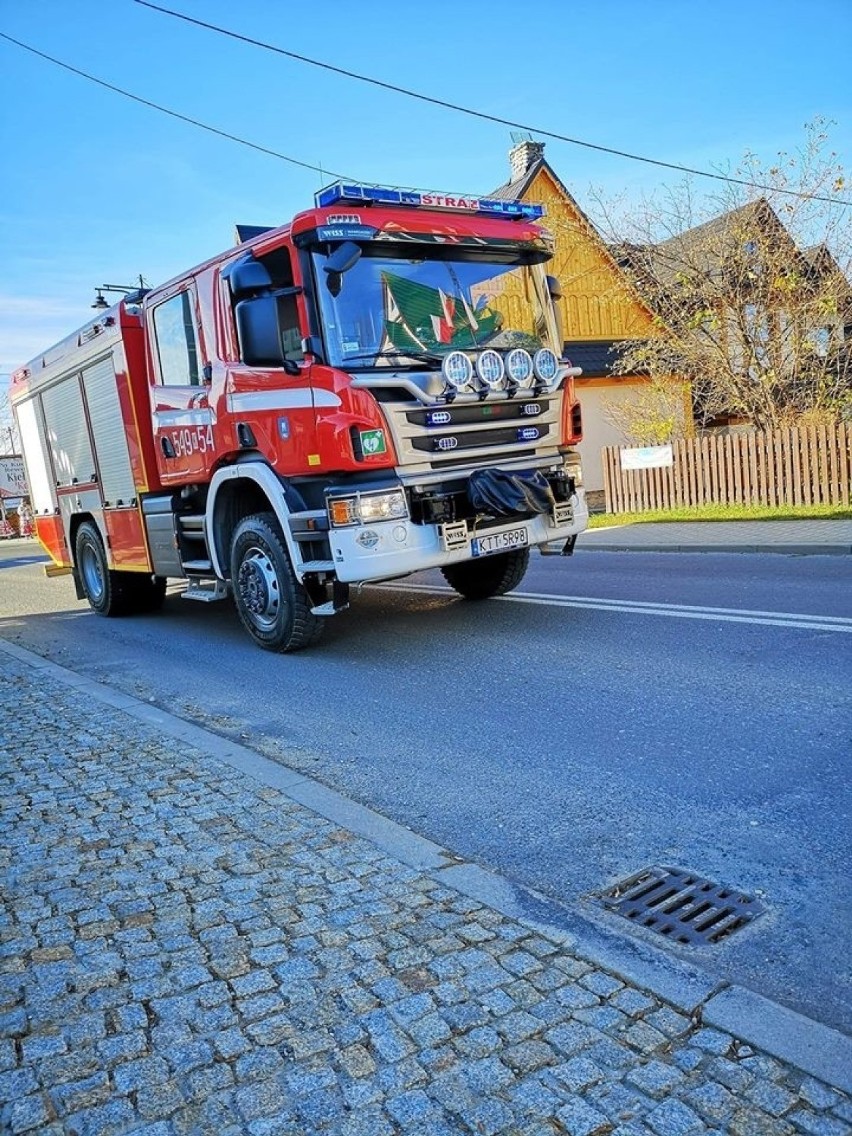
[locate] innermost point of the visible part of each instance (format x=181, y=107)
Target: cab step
x=206, y=591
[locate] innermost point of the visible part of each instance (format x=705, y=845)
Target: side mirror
x=344, y=257
x=257, y=330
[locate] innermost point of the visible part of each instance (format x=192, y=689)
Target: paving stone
x=773, y=1099
x=803, y=1120
x=816, y=1094
x=656, y=1079
x=28, y=1114
x=579, y=1119
x=673, y=1118
x=578, y=1073
x=479, y=1042
x=193, y=953
x=631, y=1002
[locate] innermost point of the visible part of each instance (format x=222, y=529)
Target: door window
x=177, y=341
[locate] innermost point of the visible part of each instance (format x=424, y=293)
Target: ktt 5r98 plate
x=499, y=542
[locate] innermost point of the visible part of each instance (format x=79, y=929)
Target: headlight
x=519, y=366
x=489, y=368
x=367, y=508
x=546, y=365
x=382, y=507
x=457, y=370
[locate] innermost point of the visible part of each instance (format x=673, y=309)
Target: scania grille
x=445, y=443
x=434, y=437
x=448, y=417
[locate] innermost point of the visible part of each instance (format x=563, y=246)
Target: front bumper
x=396, y=548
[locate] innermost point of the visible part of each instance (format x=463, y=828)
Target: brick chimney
x=524, y=155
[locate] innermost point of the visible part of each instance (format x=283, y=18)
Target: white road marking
x=798, y=620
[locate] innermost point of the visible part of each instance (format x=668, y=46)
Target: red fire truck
x=374, y=389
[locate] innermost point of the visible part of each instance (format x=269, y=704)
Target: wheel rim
x=258, y=589
x=92, y=572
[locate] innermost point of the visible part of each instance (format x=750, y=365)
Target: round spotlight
x=489, y=367
x=519, y=366
x=457, y=370
x=546, y=365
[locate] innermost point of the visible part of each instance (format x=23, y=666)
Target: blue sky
x=98, y=189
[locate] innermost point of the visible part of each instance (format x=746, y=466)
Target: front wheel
x=491, y=576
x=273, y=606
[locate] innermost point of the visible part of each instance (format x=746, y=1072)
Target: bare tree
x=9, y=440
x=750, y=289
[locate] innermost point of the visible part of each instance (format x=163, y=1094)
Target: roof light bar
x=379, y=195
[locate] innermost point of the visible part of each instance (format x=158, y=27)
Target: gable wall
x=597, y=303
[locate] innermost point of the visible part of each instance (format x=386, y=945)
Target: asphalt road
x=602, y=720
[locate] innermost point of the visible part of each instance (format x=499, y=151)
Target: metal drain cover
x=680, y=905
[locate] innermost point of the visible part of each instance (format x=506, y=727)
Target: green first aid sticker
x=373, y=442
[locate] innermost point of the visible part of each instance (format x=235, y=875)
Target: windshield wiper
x=419, y=356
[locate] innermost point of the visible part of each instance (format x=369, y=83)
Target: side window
x=177, y=345
x=288, y=326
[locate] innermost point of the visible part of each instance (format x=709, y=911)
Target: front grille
x=455, y=415
x=467, y=433
x=445, y=443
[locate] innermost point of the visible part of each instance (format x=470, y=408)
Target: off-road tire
x=272, y=605
x=109, y=593
x=491, y=576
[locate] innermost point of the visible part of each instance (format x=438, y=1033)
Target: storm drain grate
x=681, y=905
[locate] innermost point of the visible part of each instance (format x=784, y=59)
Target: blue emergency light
x=379, y=195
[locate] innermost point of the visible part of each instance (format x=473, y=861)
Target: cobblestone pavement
x=184, y=950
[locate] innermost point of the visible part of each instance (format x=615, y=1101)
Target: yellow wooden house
x=600, y=311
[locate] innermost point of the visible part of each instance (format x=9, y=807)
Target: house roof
x=598, y=357
x=514, y=190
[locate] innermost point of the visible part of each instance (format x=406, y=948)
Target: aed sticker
x=284, y=428
x=373, y=442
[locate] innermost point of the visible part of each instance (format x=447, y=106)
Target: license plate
x=499, y=542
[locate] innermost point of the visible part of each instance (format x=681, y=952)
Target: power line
x=174, y=113
x=482, y=115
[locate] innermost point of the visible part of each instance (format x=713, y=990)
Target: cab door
x=182, y=416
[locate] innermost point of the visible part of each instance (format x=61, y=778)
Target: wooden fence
x=800, y=466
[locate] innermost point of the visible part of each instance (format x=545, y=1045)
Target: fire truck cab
x=374, y=389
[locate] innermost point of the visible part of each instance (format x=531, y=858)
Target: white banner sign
x=13, y=482
x=647, y=457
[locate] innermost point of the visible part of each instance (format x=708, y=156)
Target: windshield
x=412, y=310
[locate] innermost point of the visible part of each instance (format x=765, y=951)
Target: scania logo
x=448, y=443
x=531, y=408
x=440, y=418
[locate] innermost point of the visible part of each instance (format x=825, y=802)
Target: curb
x=816, y=1049
x=782, y=549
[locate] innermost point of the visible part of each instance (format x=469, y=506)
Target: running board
x=205, y=591
x=339, y=600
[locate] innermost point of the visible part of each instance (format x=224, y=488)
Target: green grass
x=724, y=513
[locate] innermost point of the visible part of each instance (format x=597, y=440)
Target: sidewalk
x=198, y=940
x=798, y=538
